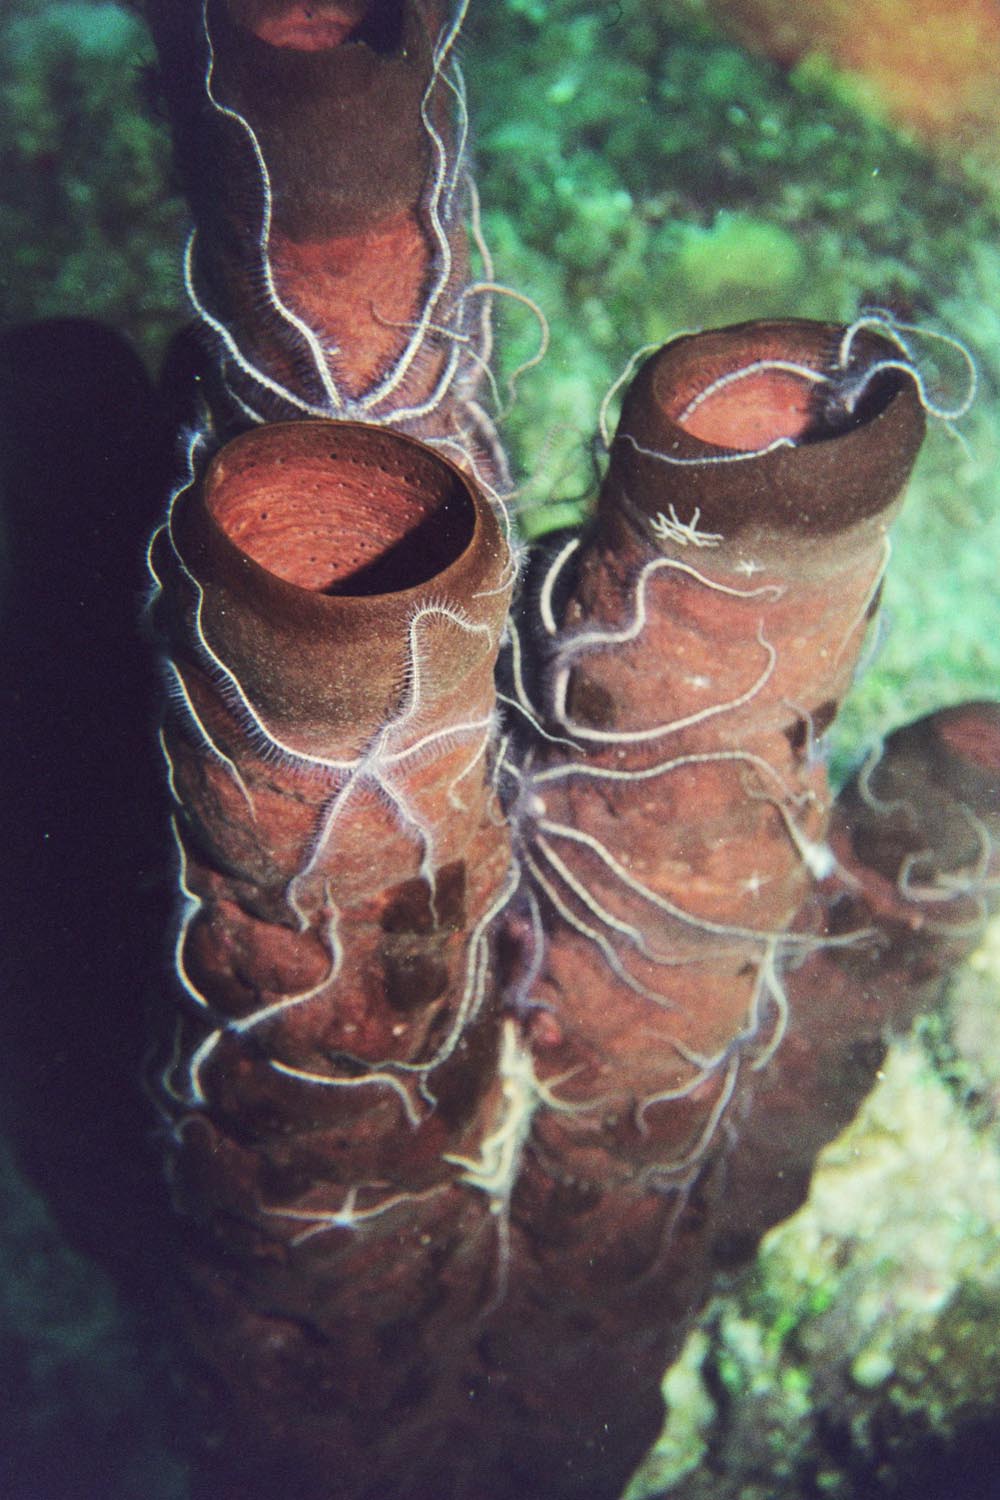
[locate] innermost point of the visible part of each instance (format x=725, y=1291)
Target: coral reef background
x=640, y=173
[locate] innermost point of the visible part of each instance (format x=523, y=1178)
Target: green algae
x=87, y=228
x=728, y=262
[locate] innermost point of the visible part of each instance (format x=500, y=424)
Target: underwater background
x=645, y=167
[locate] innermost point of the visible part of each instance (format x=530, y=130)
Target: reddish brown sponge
x=917, y=842
x=719, y=604
x=331, y=683
x=492, y=1040
x=328, y=265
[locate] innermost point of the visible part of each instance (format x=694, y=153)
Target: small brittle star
x=672, y=529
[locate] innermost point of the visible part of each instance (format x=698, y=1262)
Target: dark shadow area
x=84, y=465
x=964, y=1468
x=86, y=896
x=420, y=554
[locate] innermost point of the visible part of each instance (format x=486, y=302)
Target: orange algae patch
x=931, y=64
